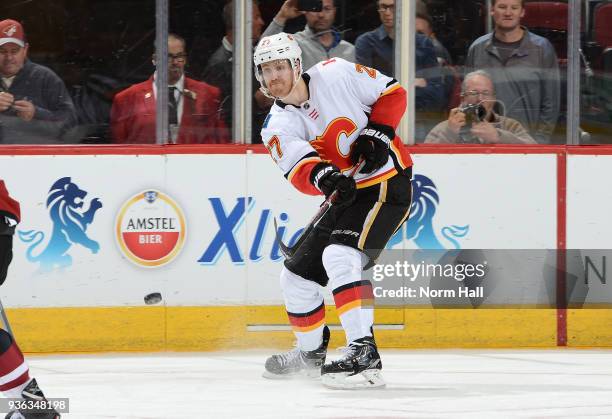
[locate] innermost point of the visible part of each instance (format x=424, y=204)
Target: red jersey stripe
x=300, y=176
x=390, y=107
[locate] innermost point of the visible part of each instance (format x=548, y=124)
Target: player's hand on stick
x=327, y=178
x=373, y=144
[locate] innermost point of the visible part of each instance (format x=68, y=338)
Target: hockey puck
x=153, y=298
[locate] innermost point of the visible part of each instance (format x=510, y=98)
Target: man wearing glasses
x=475, y=120
x=375, y=49
x=319, y=41
x=193, y=107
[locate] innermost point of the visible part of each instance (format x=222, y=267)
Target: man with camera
x=475, y=120
x=319, y=41
x=524, y=67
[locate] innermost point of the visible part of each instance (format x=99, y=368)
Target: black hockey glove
x=373, y=144
x=327, y=178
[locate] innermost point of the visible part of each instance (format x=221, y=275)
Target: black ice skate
x=296, y=362
x=33, y=393
x=359, y=368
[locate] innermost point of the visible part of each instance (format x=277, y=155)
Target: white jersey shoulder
x=344, y=77
x=342, y=94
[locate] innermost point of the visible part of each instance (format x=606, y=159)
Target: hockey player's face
x=12, y=57
x=507, y=14
x=278, y=77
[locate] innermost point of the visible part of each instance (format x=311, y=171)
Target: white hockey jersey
x=343, y=97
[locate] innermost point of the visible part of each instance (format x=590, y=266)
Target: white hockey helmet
x=281, y=46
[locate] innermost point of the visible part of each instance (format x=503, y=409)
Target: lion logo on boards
x=65, y=203
x=150, y=229
x=419, y=228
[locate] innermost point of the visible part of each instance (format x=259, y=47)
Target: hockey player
x=323, y=123
x=15, y=381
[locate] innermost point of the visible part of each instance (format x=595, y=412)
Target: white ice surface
x=420, y=384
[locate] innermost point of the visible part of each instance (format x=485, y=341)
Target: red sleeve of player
x=390, y=107
x=8, y=204
x=300, y=176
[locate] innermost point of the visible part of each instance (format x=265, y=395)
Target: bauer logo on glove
x=373, y=144
x=376, y=134
x=327, y=178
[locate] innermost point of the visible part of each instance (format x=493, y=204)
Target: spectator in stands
x=219, y=72
x=424, y=25
x=375, y=49
x=319, y=41
x=35, y=107
x=524, y=69
x=194, y=115
x=475, y=121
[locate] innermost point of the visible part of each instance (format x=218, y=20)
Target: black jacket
x=219, y=73
x=54, y=113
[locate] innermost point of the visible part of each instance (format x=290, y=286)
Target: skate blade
x=368, y=379
x=311, y=374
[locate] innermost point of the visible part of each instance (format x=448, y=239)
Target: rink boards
x=195, y=224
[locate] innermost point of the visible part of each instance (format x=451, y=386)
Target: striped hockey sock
x=355, y=307
x=308, y=327
x=14, y=371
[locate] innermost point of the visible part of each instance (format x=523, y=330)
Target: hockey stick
x=287, y=251
x=7, y=325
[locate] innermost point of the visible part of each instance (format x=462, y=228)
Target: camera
x=473, y=113
x=310, y=5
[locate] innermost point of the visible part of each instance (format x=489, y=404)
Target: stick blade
x=285, y=250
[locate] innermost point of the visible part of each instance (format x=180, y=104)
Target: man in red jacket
x=193, y=107
x=15, y=381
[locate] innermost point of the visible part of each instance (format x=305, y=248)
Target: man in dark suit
x=219, y=72
x=193, y=107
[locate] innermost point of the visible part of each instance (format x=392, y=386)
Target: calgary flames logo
x=334, y=143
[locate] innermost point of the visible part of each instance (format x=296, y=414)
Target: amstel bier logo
x=150, y=229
